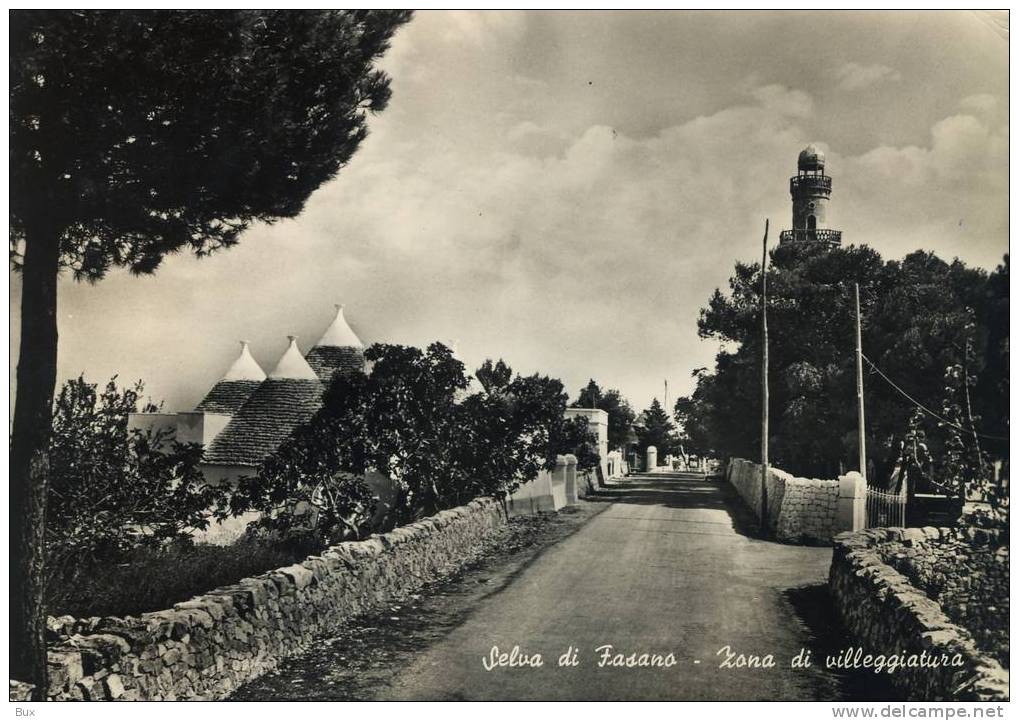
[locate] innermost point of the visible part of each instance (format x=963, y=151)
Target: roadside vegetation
x=125, y=503
x=136, y=134
x=152, y=579
x=937, y=330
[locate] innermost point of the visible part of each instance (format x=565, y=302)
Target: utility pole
x=859, y=386
x=764, y=380
x=667, y=396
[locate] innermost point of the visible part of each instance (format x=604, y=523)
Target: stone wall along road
x=205, y=647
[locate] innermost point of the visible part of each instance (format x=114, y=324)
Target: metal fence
x=885, y=510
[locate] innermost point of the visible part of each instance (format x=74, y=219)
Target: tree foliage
x=114, y=488
x=142, y=133
x=408, y=420
x=621, y=415
x=656, y=429
x=134, y=134
x=494, y=376
x=400, y=420
x=693, y=413
x=590, y=396
x=517, y=429
x=918, y=315
x=577, y=438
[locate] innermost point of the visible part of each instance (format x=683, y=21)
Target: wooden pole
x=764, y=379
x=859, y=386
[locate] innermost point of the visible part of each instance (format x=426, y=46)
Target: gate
x=885, y=510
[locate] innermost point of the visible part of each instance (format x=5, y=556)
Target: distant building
x=597, y=424
x=811, y=190
x=247, y=414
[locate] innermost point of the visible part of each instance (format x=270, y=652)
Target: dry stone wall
x=205, y=647
x=966, y=571
x=808, y=512
x=800, y=510
x=888, y=614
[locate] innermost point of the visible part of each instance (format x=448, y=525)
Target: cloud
x=572, y=228
x=543, y=258
x=949, y=196
x=481, y=27
x=611, y=235
x=980, y=103
x=525, y=129
x=854, y=76
x=783, y=100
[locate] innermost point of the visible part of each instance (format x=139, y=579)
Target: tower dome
x=811, y=158
x=810, y=189
x=338, y=350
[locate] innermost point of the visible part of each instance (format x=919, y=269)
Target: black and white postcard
x=516, y=355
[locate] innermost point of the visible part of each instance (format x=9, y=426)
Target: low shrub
x=153, y=579
x=114, y=488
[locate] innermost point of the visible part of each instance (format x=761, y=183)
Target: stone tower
x=811, y=191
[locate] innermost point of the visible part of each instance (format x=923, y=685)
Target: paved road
x=666, y=568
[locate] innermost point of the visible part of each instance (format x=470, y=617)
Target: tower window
x=811, y=222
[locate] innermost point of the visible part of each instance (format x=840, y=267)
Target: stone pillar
x=573, y=491
x=852, y=508
x=652, y=458
x=559, y=482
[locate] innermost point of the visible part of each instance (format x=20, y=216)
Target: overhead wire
x=924, y=408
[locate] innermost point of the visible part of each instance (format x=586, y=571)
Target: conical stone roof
x=235, y=387
x=245, y=368
x=339, y=333
x=338, y=350
x=289, y=397
x=292, y=364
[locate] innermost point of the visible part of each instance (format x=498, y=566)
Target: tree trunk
x=29, y=471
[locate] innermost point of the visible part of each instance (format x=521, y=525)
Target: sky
x=565, y=190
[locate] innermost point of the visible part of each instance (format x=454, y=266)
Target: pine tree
x=658, y=430
x=134, y=134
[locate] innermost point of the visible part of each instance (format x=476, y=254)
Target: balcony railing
x=815, y=183
x=820, y=235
